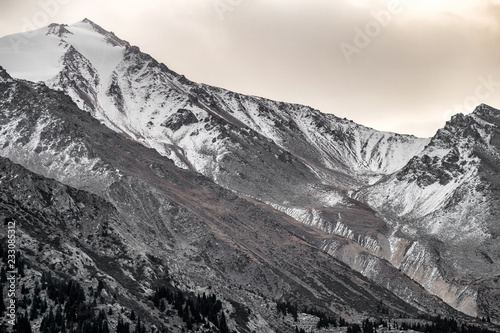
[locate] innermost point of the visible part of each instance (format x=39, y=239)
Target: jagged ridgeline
x=196, y=208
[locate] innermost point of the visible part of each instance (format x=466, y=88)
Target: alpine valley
x=145, y=202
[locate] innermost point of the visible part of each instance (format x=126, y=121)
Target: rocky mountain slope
x=291, y=157
x=374, y=200
x=278, y=152
x=143, y=223
x=450, y=194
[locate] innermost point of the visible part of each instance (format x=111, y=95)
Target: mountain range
x=127, y=177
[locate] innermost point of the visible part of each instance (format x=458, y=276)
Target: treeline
x=69, y=311
x=436, y=325
x=443, y=325
x=325, y=321
x=431, y=325
x=61, y=306
x=198, y=310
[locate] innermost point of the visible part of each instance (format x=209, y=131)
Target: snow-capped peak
x=297, y=159
x=38, y=55
x=101, y=48
x=110, y=37
x=33, y=56
x=132, y=93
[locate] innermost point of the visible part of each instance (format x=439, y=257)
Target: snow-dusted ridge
x=317, y=168
x=444, y=200
x=131, y=93
x=258, y=147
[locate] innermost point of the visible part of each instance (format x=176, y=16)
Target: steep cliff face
x=37, y=138
x=448, y=194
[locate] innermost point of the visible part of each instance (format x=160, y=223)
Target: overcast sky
x=398, y=65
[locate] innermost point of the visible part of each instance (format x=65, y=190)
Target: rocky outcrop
x=441, y=205
x=149, y=222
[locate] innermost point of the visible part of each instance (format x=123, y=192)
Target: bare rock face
x=149, y=223
x=258, y=199
x=445, y=199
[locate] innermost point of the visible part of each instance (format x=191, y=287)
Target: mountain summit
x=269, y=204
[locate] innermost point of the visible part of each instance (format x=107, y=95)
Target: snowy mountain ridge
x=381, y=201
x=132, y=93
x=148, y=223
x=291, y=156
x=449, y=193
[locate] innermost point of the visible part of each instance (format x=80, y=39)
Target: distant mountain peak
x=4, y=76
x=58, y=29
x=461, y=124
x=86, y=20
x=484, y=110
x=483, y=107
x=109, y=35
x=95, y=26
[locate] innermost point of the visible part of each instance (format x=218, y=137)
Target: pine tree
x=223, y=324
x=4, y=254
x=156, y=299
x=43, y=306
x=162, y=305
x=33, y=312
x=185, y=314
x=119, y=326
x=22, y=324
x=20, y=264
x=2, y=304
x=24, y=290
x=138, y=327
x=170, y=296
x=43, y=281
x=105, y=327
x=100, y=287
x=3, y=275
x=58, y=317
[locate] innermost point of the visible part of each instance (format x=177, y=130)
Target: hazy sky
x=399, y=65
